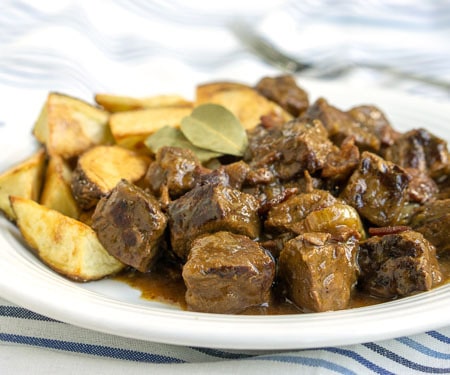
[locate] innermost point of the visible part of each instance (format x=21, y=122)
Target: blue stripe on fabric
x=405, y=362
x=97, y=350
x=222, y=354
x=307, y=361
x=360, y=359
x=422, y=348
x=439, y=336
x=20, y=312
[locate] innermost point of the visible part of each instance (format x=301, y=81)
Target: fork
x=327, y=68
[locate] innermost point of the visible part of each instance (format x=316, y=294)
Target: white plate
x=113, y=307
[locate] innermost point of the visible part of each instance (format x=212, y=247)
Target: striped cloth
x=55, y=347
x=140, y=47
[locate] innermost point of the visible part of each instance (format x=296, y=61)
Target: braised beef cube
x=443, y=183
x=237, y=173
x=378, y=189
x=304, y=146
x=420, y=149
x=422, y=187
x=433, y=221
x=341, y=125
x=288, y=215
x=318, y=272
x=342, y=162
x=233, y=175
x=173, y=168
x=373, y=119
x=130, y=225
x=208, y=209
x=261, y=150
x=227, y=273
x=397, y=265
x=284, y=91
x=290, y=149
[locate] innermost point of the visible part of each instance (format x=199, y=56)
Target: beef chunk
x=397, y=265
x=341, y=125
x=421, y=150
x=284, y=91
x=288, y=215
x=433, y=221
x=378, y=189
x=174, y=169
x=226, y=273
x=233, y=175
x=341, y=163
x=443, y=183
x=290, y=149
x=208, y=209
x=374, y=120
x=262, y=140
x=422, y=187
x=130, y=225
x=319, y=273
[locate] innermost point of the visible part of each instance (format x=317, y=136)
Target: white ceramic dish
x=113, y=307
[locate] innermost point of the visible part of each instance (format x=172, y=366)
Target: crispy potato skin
x=66, y=245
x=69, y=126
x=23, y=179
x=100, y=169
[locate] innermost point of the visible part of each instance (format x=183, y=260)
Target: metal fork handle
x=267, y=51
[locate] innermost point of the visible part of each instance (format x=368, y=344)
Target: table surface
x=82, y=47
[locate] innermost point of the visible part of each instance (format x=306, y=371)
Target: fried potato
x=205, y=91
x=117, y=103
x=66, y=245
x=68, y=126
x=100, y=169
x=243, y=101
x=24, y=180
x=133, y=127
x=57, y=192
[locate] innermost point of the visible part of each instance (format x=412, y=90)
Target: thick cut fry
x=133, y=127
x=243, y=101
x=66, y=245
x=69, y=126
x=100, y=169
x=117, y=103
x=24, y=180
x=57, y=193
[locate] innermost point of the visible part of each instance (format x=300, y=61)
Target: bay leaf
x=213, y=127
x=173, y=137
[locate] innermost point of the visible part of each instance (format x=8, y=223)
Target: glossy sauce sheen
x=165, y=284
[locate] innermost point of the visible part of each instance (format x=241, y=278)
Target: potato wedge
x=133, y=127
x=57, y=192
x=243, y=101
x=66, y=245
x=117, y=103
x=24, y=180
x=205, y=91
x=68, y=126
x=100, y=169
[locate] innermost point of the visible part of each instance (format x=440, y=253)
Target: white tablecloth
x=140, y=48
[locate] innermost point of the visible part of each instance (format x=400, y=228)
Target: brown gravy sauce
x=165, y=284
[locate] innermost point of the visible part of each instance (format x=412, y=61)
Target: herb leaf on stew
x=173, y=137
x=213, y=127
